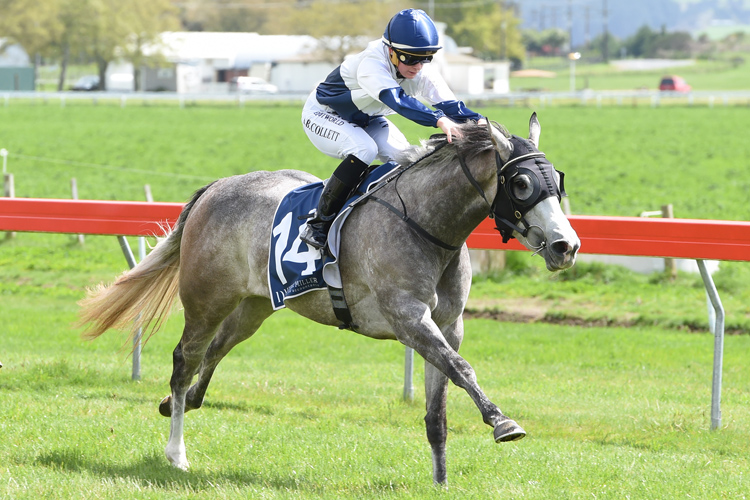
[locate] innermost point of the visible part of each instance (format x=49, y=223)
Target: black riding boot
x=344, y=180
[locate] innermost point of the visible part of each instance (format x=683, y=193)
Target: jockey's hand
x=449, y=127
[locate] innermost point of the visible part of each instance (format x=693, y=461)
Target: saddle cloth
x=294, y=268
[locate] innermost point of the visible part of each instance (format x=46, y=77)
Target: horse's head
x=527, y=205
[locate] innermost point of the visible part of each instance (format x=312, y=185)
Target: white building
x=206, y=62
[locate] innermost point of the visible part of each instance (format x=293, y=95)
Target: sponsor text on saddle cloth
x=294, y=268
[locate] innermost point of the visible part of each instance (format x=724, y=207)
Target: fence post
x=137, y=338
x=718, y=330
x=128, y=253
x=409, y=374
x=9, y=190
x=670, y=265
x=74, y=193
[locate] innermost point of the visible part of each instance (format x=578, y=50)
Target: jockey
x=344, y=116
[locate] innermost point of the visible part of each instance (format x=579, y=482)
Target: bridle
x=525, y=162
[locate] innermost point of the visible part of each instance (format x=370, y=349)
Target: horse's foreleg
x=420, y=332
x=460, y=372
x=436, y=397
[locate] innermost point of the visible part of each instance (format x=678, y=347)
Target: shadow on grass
x=153, y=471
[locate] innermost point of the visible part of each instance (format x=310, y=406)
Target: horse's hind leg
x=190, y=353
x=237, y=327
x=202, y=318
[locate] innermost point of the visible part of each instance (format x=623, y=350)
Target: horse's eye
x=522, y=187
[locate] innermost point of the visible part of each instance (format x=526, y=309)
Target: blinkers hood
x=529, y=167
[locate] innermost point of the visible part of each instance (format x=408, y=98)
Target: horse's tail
x=141, y=298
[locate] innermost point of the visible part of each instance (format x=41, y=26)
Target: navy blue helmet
x=412, y=32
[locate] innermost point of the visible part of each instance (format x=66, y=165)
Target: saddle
x=294, y=268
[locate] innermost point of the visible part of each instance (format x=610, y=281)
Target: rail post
x=409, y=374
x=128, y=253
x=718, y=331
x=670, y=265
x=74, y=195
x=9, y=190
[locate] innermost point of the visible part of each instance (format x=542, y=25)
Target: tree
x=34, y=25
x=548, y=42
x=74, y=17
x=597, y=46
x=106, y=33
x=340, y=27
x=491, y=31
x=144, y=21
x=234, y=16
x=642, y=44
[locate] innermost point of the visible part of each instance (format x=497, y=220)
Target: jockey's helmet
x=411, y=32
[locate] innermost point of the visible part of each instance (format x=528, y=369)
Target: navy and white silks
x=346, y=114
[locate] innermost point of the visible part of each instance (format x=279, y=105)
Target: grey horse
x=399, y=284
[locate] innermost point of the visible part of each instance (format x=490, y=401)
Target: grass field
x=302, y=411
x=306, y=412
x=704, y=75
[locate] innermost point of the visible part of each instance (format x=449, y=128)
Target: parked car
x=87, y=83
x=255, y=85
x=674, y=83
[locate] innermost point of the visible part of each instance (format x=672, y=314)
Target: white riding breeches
x=338, y=138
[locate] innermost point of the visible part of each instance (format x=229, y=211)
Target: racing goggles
x=412, y=59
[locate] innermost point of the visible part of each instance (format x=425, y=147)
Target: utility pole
x=503, y=31
x=587, y=28
x=570, y=25
x=542, y=11
x=605, y=33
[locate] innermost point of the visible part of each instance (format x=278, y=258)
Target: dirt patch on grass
x=533, y=310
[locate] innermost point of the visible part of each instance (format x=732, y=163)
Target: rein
x=508, y=227
x=370, y=195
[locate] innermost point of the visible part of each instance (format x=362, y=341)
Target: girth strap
x=341, y=308
x=419, y=229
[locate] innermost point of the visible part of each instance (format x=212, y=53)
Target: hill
x=624, y=18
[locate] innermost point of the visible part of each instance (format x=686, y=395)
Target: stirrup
x=313, y=236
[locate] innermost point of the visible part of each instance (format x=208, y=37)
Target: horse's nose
x=565, y=248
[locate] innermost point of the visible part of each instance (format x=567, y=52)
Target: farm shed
x=207, y=62
x=466, y=74
x=16, y=71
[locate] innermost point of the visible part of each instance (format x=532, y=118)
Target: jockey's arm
x=445, y=117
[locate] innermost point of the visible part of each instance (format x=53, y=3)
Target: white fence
x=652, y=98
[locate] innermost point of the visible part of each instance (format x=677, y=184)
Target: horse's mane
x=435, y=150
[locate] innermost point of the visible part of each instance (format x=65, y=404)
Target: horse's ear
x=535, y=130
x=502, y=144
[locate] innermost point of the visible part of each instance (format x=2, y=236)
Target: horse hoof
x=165, y=407
x=185, y=466
x=508, y=431
x=179, y=462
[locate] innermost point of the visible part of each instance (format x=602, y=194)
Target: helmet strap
x=394, y=56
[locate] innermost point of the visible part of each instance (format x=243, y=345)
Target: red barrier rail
x=680, y=238
x=126, y=218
